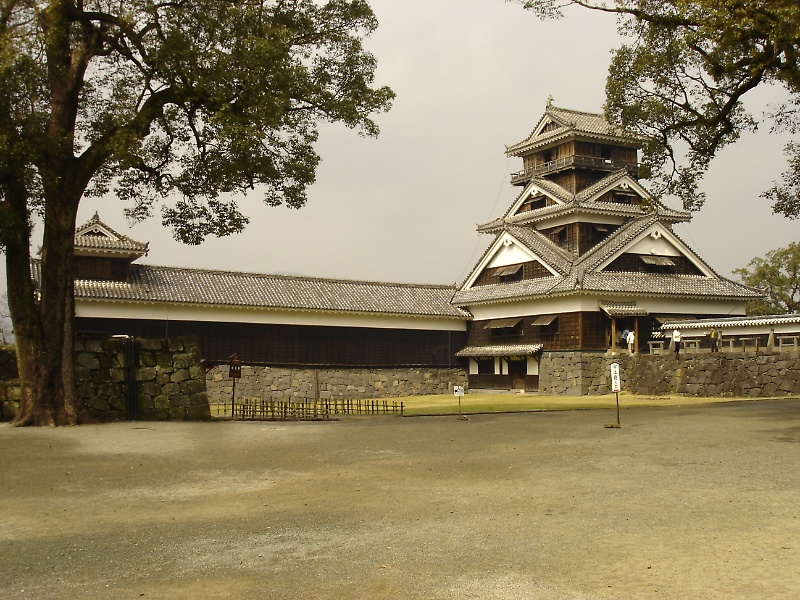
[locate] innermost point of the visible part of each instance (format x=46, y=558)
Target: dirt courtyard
x=695, y=502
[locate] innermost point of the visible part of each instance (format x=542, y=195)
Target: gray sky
x=471, y=76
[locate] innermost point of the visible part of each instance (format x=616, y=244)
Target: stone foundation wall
x=713, y=375
x=169, y=383
x=168, y=374
x=10, y=392
x=285, y=383
x=569, y=373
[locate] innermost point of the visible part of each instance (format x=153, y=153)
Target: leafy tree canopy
x=194, y=97
x=680, y=81
x=189, y=99
x=777, y=276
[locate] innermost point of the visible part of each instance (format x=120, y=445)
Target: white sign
x=458, y=390
x=616, y=385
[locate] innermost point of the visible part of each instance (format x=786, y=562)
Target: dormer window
x=510, y=273
x=547, y=323
x=621, y=197
x=533, y=204
x=558, y=235
x=658, y=264
x=500, y=328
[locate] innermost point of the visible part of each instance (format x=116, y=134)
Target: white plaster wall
x=114, y=310
x=533, y=366
x=656, y=306
x=692, y=307
x=542, y=306
x=579, y=217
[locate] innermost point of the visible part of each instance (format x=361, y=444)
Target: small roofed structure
x=763, y=332
x=101, y=253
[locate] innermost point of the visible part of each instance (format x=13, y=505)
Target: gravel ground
x=699, y=502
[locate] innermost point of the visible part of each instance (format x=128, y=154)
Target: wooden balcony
x=575, y=162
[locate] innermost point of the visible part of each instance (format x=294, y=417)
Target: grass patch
x=499, y=403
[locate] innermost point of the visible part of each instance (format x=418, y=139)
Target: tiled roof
x=658, y=284
x=584, y=202
x=622, y=309
x=585, y=199
x=500, y=350
x=526, y=288
x=721, y=323
x=544, y=247
x=551, y=188
x=615, y=242
x=251, y=290
x=581, y=273
x=95, y=235
x=638, y=284
x=572, y=122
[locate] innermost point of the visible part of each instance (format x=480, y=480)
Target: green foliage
x=777, y=276
x=198, y=99
x=681, y=80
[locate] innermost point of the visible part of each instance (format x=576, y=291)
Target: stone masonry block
x=149, y=344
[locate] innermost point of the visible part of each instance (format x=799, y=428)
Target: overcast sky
x=471, y=77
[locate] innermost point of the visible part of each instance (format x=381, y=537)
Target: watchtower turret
x=574, y=150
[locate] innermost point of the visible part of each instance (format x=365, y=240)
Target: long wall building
x=583, y=254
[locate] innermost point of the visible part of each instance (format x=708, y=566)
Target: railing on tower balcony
x=592, y=162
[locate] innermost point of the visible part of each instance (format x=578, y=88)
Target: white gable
x=626, y=184
x=547, y=120
x=654, y=244
x=509, y=252
x=532, y=191
x=657, y=240
x=97, y=231
x=505, y=251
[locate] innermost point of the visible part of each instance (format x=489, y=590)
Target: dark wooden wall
x=529, y=270
x=101, y=268
x=571, y=331
x=633, y=263
x=298, y=345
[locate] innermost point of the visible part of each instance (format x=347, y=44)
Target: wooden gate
x=301, y=409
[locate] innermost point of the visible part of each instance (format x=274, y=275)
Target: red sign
x=235, y=370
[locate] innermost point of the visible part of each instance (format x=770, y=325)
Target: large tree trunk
x=45, y=342
x=44, y=331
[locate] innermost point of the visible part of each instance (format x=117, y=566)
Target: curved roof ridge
x=588, y=192
x=309, y=278
x=544, y=247
x=108, y=240
x=615, y=242
x=173, y=285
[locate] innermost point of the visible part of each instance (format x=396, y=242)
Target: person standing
x=631, y=339
x=714, y=335
x=676, y=339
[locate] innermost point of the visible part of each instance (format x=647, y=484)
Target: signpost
x=458, y=391
x=234, y=372
x=616, y=386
